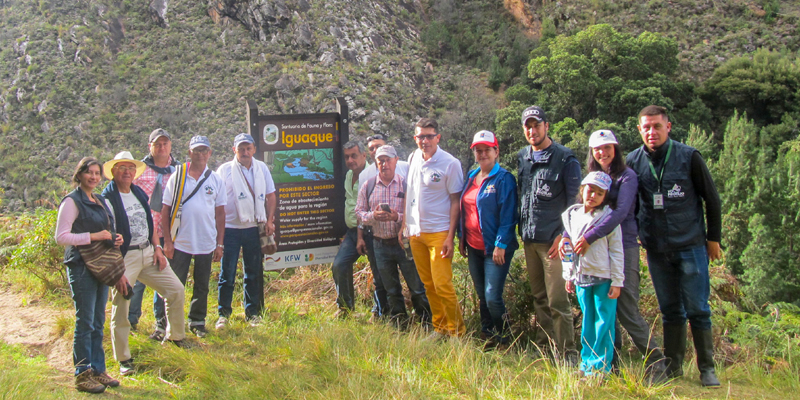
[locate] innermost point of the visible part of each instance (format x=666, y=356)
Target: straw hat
x=123, y=156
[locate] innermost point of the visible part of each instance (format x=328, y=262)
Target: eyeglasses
x=201, y=150
x=425, y=137
x=376, y=136
x=125, y=168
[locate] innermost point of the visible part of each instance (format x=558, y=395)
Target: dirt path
x=34, y=326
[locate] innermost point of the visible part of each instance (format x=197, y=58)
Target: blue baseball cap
x=198, y=141
x=243, y=138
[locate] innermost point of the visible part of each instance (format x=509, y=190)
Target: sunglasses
x=425, y=137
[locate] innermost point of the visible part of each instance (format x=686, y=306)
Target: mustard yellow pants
x=437, y=275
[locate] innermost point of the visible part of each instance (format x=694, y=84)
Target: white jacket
x=605, y=258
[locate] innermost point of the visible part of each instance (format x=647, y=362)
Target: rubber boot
x=704, y=347
x=674, y=349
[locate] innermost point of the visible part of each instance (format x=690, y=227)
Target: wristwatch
x=221, y=246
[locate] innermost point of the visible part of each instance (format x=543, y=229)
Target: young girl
x=596, y=275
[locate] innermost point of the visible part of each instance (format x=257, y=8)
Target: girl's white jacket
x=605, y=258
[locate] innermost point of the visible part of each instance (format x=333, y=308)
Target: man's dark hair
x=653, y=111
x=427, y=123
x=616, y=168
x=83, y=166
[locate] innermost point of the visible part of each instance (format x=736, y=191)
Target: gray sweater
x=605, y=257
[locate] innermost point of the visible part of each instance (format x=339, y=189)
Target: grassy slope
x=302, y=351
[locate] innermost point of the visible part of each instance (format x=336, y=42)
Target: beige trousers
x=550, y=300
x=139, y=265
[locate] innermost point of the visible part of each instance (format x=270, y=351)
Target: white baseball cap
x=484, y=137
x=601, y=137
x=599, y=179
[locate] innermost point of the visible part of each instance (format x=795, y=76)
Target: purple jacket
x=624, y=191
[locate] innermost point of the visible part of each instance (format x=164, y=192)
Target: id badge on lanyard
x=658, y=197
x=658, y=201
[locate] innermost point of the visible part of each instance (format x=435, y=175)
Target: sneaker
x=255, y=321
x=158, y=335
x=435, y=337
x=105, y=380
x=182, y=344
x=199, y=330
x=222, y=322
x=572, y=359
x=85, y=382
x=126, y=367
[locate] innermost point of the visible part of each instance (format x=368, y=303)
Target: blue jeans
x=597, y=329
x=89, y=297
x=180, y=263
x=343, y=273
x=135, y=307
x=682, y=288
x=249, y=242
x=489, y=280
x=390, y=257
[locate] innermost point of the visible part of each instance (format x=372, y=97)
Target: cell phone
x=130, y=292
x=385, y=207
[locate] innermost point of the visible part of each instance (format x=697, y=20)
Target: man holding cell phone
x=380, y=204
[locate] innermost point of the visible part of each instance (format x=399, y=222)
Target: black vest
x=543, y=194
x=680, y=224
x=92, y=217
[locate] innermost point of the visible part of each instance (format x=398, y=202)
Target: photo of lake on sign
x=310, y=165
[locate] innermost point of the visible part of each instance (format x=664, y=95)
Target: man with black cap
x=160, y=167
x=250, y=201
x=196, y=228
x=548, y=179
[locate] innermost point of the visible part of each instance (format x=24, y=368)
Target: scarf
x=158, y=188
x=248, y=208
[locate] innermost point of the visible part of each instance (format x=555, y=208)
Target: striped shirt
x=147, y=181
x=382, y=193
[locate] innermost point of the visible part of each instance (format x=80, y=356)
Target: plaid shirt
x=147, y=181
x=391, y=195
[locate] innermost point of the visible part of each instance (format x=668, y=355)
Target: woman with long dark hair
x=84, y=218
x=606, y=156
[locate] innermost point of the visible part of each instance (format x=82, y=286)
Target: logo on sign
x=675, y=192
x=310, y=257
x=293, y=257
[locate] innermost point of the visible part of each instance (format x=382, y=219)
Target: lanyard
x=663, y=167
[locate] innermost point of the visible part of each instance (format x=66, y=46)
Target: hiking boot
x=255, y=321
x=85, y=382
x=199, y=330
x=105, y=380
x=704, y=347
x=126, y=367
x=656, y=373
x=222, y=322
x=158, y=335
x=572, y=359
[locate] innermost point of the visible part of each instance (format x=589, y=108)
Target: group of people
x=405, y=216
x=162, y=215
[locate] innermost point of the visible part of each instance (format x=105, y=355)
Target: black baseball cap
x=533, y=112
